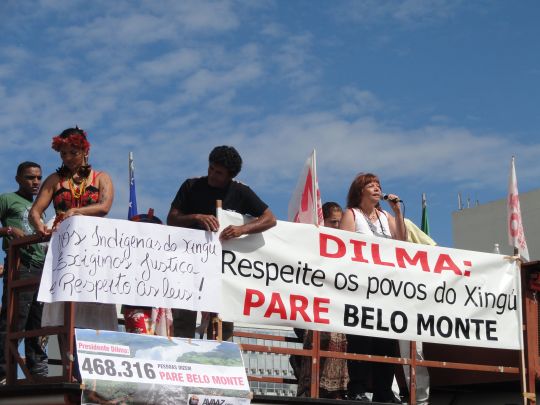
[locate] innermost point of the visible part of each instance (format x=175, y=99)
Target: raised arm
x=42, y=201
x=396, y=222
x=265, y=221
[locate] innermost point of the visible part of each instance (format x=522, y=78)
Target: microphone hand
x=392, y=198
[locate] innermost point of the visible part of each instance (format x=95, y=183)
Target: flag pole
x=132, y=209
x=516, y=238
x=314, y=188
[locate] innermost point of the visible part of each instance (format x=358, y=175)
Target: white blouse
x=363, y=225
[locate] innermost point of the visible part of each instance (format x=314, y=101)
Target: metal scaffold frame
x=528, y=370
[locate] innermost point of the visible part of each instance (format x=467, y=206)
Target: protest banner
x=114, y=261
x=146, y=369
x=311, y=277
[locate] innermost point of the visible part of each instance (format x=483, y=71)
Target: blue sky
x=434, y=96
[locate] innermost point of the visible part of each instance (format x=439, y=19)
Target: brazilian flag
x=425, y=221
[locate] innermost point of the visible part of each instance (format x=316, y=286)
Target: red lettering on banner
x=298, y=305
x=318, y=308
x=323, y=246
x=197, y=379
x=276, y=307
x=420, y=256
x=376, y=253
x=250, y=303
x=171, y=376
x=358, y=245
x=360, y=251
x=445, y=262
x=217, y=379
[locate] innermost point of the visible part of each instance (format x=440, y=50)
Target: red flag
x=516, y=235
x=305, y=205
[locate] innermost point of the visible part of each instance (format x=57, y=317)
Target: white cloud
x=436, y=154
x=355, y=101
x=274, y=30
x=295, y=61
x=167, y=81
x=171, y=64
x=205, y=81
x=117, y=31
x=407, y=12
x=201, y=16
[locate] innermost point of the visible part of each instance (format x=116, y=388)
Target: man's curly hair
x=228, y=157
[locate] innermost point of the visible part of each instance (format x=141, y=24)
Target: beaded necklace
x=372, y=226
x=77, y=192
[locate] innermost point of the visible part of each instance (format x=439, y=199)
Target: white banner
x=114, y=261
x=320, y=278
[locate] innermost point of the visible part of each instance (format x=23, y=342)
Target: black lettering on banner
x=318, y=275
x=67, y=238
x=108, y=367
x=340, y=281
x=459, y=328
x=350, y=315
x=367, y=316
x=373, y=319
x=259, y=271
x=169, y=246
x=228, y=258
x=491, y=329
x=445, y=294
x=197, y=248
x=72, y=284
x=394, y=321
x=244, y=264
x=172, y=292
x=271, y=272
x=144, y=290
x=390, y=287
x=502, y=301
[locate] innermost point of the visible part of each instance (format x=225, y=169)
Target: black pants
x=29, y=318
x=184, y=322
x=361, y=373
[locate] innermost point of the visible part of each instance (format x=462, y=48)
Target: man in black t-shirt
x=195, y=207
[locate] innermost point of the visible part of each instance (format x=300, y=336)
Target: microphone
x=394, y=200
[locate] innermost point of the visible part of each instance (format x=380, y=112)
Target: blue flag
x=132, y=211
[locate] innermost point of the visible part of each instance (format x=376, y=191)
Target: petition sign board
x=141, y=369
x=115, y=261
x=330, y=280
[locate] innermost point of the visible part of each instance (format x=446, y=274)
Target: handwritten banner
x=145, y=369
x=320, y=278
x=114, y=261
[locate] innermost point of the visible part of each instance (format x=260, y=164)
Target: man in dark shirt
x=195, y=207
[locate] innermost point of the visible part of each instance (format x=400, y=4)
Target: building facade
x=481, y=227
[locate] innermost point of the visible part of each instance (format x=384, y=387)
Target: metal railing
x=265, y=344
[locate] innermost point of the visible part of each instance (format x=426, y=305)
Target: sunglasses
x=32, y=177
